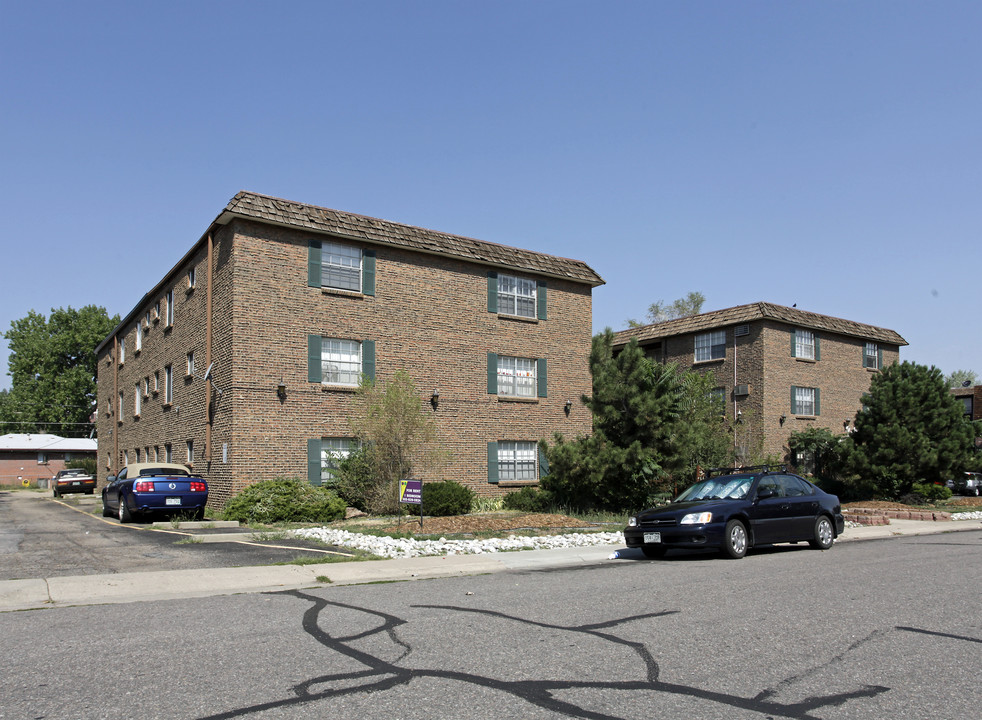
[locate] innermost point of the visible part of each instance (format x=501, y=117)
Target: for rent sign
x=411, y=492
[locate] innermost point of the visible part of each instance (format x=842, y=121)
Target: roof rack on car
x=745, y=469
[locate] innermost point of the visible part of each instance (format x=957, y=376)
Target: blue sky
x=820, y=153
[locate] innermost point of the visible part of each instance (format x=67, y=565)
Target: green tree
x=52, y=365
x=911, y=429
x=701, y=437
x=645, y=432
x=658, y=312
x=398, y=440
x=961, y=378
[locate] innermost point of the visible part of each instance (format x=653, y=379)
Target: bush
x=447, y=498
x=932, y=491
x=284, y=500
x=528, y=499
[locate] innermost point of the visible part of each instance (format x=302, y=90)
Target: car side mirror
x=110, y=479
x=765, y=493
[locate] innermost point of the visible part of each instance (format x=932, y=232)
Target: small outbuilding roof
x=38, y=442
x=757, y=311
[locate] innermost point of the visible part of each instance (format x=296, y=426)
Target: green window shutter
x=818, y=404
x=314, y=264
x=540, y=296
x=368, y=358
x=818, y=348
x=794, y=405
x=368, y=272
x=314, y=358
x=543, y=463
x=541, y=379
x=314, y=461
x=492, y=374
x=862, y=349
x=492, y=462
x=492, y=291
x=879, y=358
x=794, y=343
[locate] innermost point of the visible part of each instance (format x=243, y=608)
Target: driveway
x=44, y=537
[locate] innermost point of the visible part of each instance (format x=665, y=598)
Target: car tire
x=975, y=492
x=824, y=534
x=54, y=493
x=124, y=513
x=654, y=552
x=735, y=540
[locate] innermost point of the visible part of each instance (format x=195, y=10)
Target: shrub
x=528, y=499
x=447, y=498
x=932, y=491
x=284, y=500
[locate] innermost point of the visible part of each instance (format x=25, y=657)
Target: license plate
x=652, y=537
x=76, y=482
x=173, y=501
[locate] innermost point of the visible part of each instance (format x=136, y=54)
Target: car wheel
x=124, y=512
x=823, y=534
x=653, y=552
x=975, y=492
x=735, y=540
x=54, y=493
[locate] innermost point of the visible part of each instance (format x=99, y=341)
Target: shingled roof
x=757, y=311
x=383, y=232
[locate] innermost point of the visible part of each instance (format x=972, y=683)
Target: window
x=516, y=296
x=191, y=278
x=146, y=319
x=872, y=356
x=333, y=451
x=717, y=397
x=168, y=455
x=156, y=311
x=120, y=406
x=122, y=350
x=42, y=458
x=137, y=401
x=139, y=337
x=516, y=461
x=711, y=346
x=969, y=406
x=146, y=387
x=804, y=401
x=168, y=385
x=137, y=455
x=190, y=445
x=170, y=308
x=340, y=361
x=340, y=267
x=804, y=344
x=156, y=453
x=517, y=377
x=191, y=363
x=156, y=380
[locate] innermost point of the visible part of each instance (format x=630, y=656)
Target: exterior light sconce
x=739, y=418
x=782, y=418
x=567, y=407
x=281, y=390
x=435, y=398
x=845, y=425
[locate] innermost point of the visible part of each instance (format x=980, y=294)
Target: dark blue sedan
x=154, y=488
x=738, y=511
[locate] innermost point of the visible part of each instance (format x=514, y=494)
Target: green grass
x=188, y=541
x=326, y=558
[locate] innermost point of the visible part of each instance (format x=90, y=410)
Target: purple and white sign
x=411, y=492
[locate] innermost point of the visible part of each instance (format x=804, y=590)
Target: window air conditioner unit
x=741, y=390
x=741, y=330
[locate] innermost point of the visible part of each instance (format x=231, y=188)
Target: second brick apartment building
x=289, y=304
x=778, y=369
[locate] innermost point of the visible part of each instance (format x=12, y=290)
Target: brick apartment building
x=289, y=304
x=779, y=370
x=971, y=398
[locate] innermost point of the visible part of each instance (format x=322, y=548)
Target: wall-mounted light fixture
x=739, y=416
x=281, y=390
x=782, y=418
x=567, y=407
x=435, y=398
x=845, y=424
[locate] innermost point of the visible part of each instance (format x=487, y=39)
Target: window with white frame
x=168, y=453
x=191, y=363
x=170, y=307
x=191, y=278
x=333, y=452
x=146, y=387
x=340, y=266
x=516, y=296
x=871, y=356
x=139, y=336
x=711, y=346
x=804, y=344
x=340, y=362
x=137, y=401
x=120, y=406
x=42, y=458
x=804, y=401
x=156, y=380
x=517, y=376
x=168, y=384
x=517, y=461
x=122, y=350
x=190, y=446
x=156, y=453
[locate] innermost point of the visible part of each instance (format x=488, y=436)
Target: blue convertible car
x=158, y=488
x=737, y=511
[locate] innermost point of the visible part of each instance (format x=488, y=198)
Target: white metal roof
x=48, y=443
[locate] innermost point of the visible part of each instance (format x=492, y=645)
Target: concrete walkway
x=135, y=587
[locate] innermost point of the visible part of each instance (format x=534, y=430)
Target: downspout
x=114, y=423
x=208, y=398
x=734, y=396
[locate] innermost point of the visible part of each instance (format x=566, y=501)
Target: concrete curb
x=32, y=594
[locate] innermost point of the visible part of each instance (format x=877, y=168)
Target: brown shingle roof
x=757, y=311
x=382, y=232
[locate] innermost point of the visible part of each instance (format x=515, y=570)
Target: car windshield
x=163, y=471
x=725, y=487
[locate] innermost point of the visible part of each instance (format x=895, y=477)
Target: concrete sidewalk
x=135, y=587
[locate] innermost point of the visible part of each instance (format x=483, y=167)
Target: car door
x=802, y=507
x=114, y=487
x=770, y=512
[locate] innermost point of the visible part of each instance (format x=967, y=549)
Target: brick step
x=857, y=515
